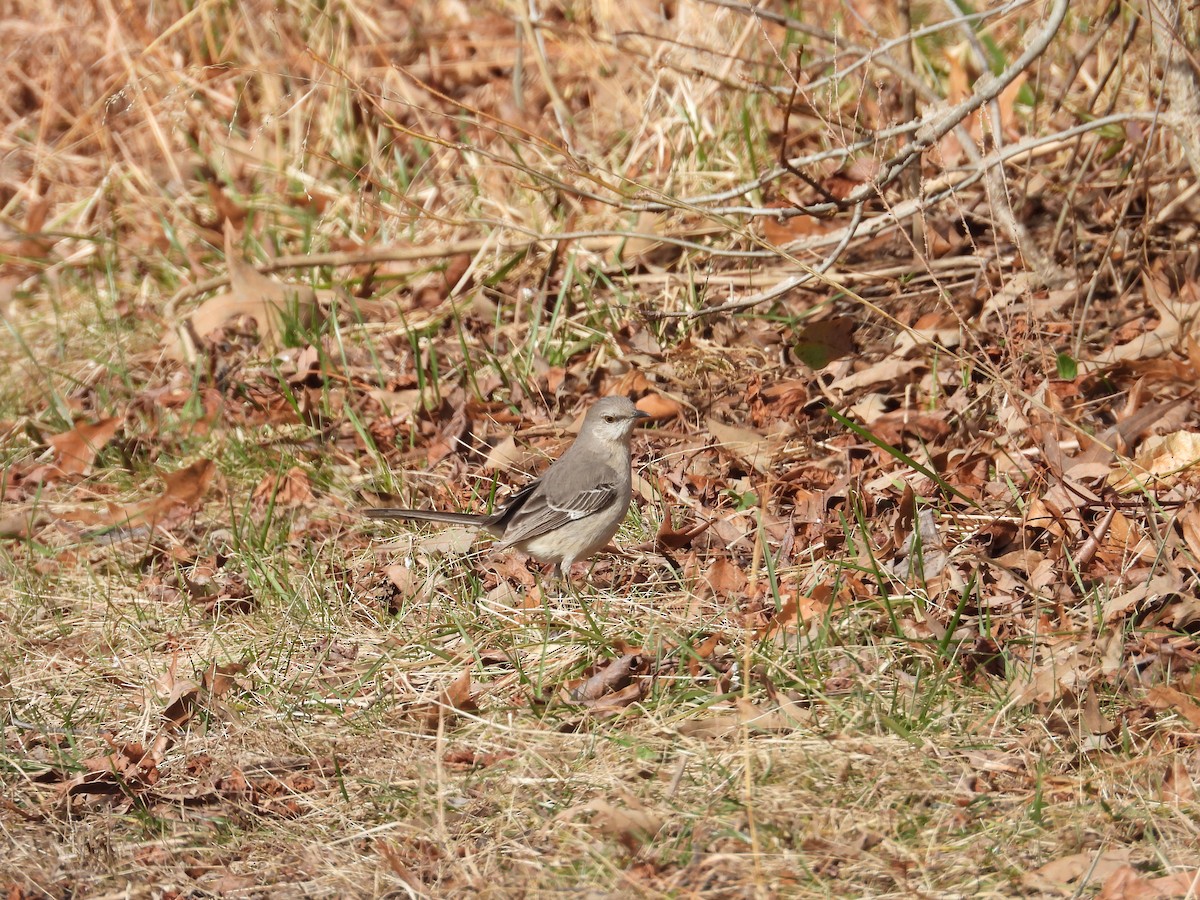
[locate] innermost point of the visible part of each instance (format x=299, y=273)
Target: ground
x=906, y=600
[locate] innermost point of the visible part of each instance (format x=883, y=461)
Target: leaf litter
x=967, y=615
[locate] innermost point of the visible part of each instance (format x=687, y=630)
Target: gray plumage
x=576, y=507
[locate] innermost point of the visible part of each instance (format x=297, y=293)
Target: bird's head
x=612, y=419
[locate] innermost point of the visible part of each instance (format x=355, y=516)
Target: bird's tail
x=425, y=515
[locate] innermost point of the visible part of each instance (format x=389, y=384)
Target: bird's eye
x=610, y=418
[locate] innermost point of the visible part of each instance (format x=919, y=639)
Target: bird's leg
x=562, y=578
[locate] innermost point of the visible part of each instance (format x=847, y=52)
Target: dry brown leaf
x=703, y=651
x=182, y=702
x=454, y=699
x=782, y=718
x=1178, y=786
x=1091, y=717
x=751, y=447
x=669, y=538
x=710, y=726
x=1177, y=319
x=615, y=701
x=641, y=250
x=21, y=524
x=183, y=488
x=886, y=371
x=1068, y=670
x=1158, y=586
x=457, y=695
x=453, y=541
x=798, y=610
x=410, y=585
x=1161, y=458
x=220, y=679
x=1118, y=438
x=1189, y=521
x=251, y=294
x=823, y=342
x=76, y=449
x=606, y=680
x=935, y=330
x=1163, y=697
x=933, y=555
x=724, y=577
x=292, y=489
x=659, y=407
x=1127, y=883
x=783, y=231
x=130, y=766
x=1070, y=869
x=631, y=822
x=503, y=457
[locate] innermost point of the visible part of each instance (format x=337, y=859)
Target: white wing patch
x=585, y=502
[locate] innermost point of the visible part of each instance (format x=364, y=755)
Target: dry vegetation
x=908, y=602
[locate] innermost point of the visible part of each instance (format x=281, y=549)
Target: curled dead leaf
x=608, y=680
x=270, y=303
x=1163, y=697
x=183, y=489
x=659, y=407
x=219, y=679
x=76, y=449
x=669, y=538
x=292, y=489
x=631, y=822
x=756, y=449
x=724, y=577
x=1127, y=883
x=1161, y=458
x=21, y=524
x=455, y=698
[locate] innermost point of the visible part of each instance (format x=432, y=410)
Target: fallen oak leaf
x=1163, y=697
x=668, y=538
x=454, y=699
x=463, y=759
x=1177, y=317
x=758, y=450
x=220, y=679
x=611, y=704
x=1127, y=883
x=128, y=768
x=182, y=704
x=630, y=822
x=251, y=294
x=1100, y=449
x=724, y=577
x=76, y=449
x=798, y=610
x=183, y=488
x=609, y=680
x=290, y=489
x=826, y=341
x=21, y=524
x=1078, y=869
x=703, y=651
x=1161, y=458
x=659, y=407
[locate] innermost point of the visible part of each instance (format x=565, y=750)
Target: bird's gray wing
x=558, y=502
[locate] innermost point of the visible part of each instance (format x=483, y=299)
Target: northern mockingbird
x=575, y=508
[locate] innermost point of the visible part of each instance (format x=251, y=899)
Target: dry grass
x=248, y=692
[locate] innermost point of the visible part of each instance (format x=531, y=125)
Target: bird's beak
x=638, y=414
